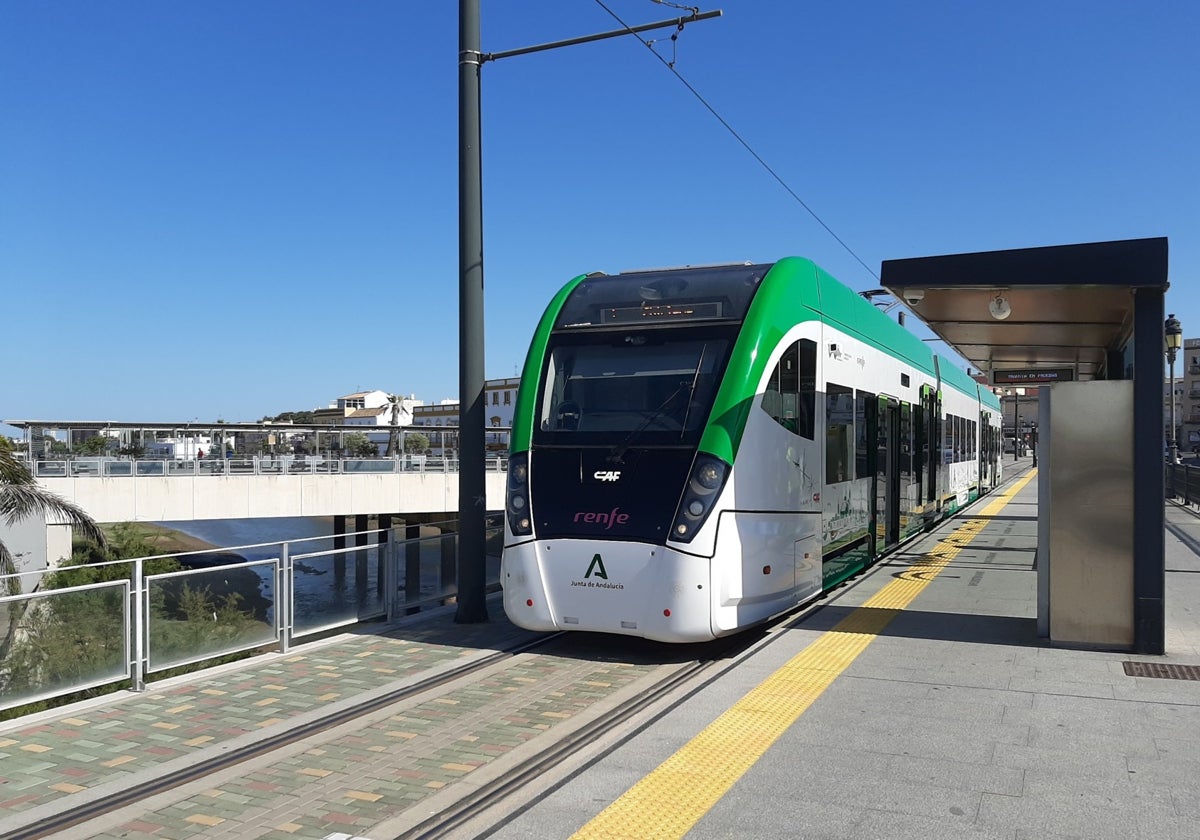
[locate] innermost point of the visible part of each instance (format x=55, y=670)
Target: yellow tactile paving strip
x=681, y=790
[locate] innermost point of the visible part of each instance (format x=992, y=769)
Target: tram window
x=862, y=462
x=791, y=389
x=839, y=433
x=662, y=387
x=775, y=395
x=555, y=395
x=808, y=388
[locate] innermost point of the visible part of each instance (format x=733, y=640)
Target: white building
x=378, y=411
x=398, y=411
x=500, y=398
x=343, y=407
x=192, y=446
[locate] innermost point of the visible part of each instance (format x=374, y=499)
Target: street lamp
x=1174, y=340
x=1018, y=443
x=472, y=448
x=1015, y=393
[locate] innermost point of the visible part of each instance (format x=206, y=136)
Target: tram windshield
x=630, y=385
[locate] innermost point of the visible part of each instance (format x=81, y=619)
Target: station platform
x=915, y=702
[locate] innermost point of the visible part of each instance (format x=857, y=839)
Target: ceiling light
x=999, y=307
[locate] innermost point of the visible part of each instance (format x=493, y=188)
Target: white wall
x=26, y=541
x=159, y=499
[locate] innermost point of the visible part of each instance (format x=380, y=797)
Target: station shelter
x=1083, y=324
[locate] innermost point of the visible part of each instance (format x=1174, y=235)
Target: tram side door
x=986, y=473
x=931, y=408
x=887, y=475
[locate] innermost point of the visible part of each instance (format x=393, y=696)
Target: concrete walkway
x=954, y=721
x=948, y=718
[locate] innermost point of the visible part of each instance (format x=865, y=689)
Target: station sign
x=1032, y=376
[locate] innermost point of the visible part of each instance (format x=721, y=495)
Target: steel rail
x=70, y=817
x=495, y=794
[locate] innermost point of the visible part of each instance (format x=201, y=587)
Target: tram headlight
x=517, y=496
x=709, y=476
x=703, y=487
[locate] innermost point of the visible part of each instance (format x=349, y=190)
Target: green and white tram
x=696, y=450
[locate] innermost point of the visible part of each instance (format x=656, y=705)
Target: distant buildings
x=367, y=408
x=383, y=418
x=378, y=412
x=1187, y=389
x=500, y=396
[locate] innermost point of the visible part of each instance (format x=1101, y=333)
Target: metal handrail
x=1183, y=483
x=116, y=467
x=389, y=576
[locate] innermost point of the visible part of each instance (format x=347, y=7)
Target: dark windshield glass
x=658, y=387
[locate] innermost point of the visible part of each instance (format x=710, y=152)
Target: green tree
x=416, y=443
x=22, y=497
x=300, y=418
x=136, y=449
x=358, y=445
x=95, y=445
x=393, y=446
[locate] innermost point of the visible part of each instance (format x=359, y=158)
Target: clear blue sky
x=228, y=210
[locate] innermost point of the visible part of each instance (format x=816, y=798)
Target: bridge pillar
x=339, y=542
x=362, y=524
x=412, y=564
x=385, y=529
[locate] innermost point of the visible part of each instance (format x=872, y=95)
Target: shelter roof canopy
x=1068, y=306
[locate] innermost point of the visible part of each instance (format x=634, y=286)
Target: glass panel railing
x=63, y=641
x=199, y=614
x=260, y=465
x=336, y=587
x=89, y=467
x=368, y=465
x=205, y=613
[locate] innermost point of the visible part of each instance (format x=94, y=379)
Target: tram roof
x=1071, y=305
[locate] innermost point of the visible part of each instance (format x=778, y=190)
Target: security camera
x=914, y=296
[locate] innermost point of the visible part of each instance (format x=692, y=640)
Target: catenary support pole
x=472, y=607
x=472, y=518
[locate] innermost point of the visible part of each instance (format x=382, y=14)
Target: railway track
x=542, y=693
x=647, y=679
x=488, y=806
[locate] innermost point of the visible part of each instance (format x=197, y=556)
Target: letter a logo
x=598, y=565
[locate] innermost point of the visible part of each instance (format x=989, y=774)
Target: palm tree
x=21, y=498
x=393, y=447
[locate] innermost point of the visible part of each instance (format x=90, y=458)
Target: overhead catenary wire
x=670, y=65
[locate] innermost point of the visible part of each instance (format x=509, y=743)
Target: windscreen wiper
x=616, y=455
x=692, y=391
